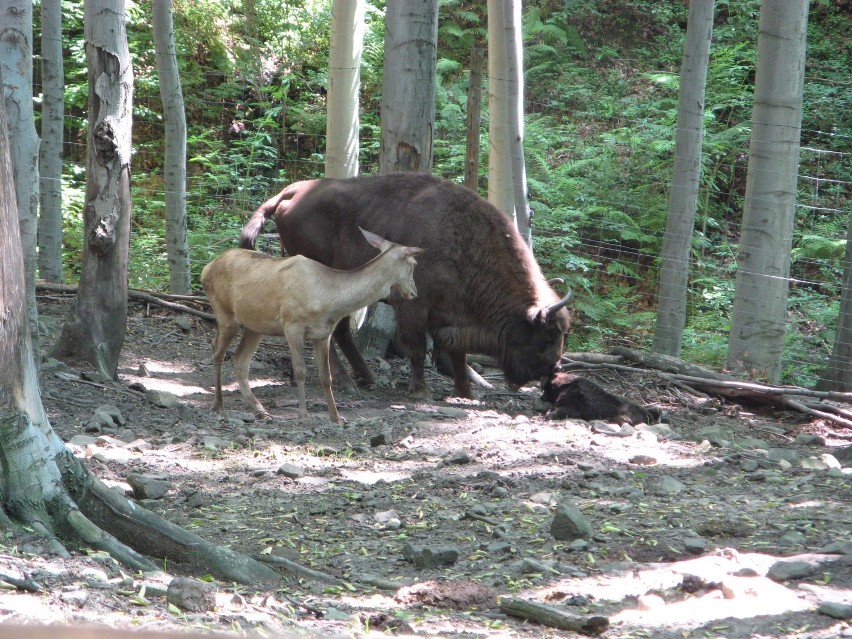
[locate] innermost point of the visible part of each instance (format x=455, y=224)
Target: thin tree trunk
x=408, y=97
x=344, y=79
x=174, y=168
x=758, y=323
x=16, y=59
x=52, y=131
x=474, y=120
x=683, y=199
x=94, y=329
x=500, y=186
x=838, y=374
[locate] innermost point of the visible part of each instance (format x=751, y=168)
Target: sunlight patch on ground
x=370, y=477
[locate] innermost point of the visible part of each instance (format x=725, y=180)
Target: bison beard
x=576, y=397
x=479, y=287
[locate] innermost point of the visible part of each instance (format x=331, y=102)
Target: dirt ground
x=453, y=500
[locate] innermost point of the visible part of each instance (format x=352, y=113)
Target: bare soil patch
x=687, y=521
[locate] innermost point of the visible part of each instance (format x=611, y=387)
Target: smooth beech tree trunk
x=344, y=80
x=94, y=329
x=408, y=97
x=174, y=165
x=500, y=186
x=50, y=154
x=683, y=199
x=758, y=322
x=16, y=62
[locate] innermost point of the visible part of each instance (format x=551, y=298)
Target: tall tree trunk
x=174, y=166
x=758, y=322
x=474, y=120
x=43, y=487
x=94, y=329
x=838, y=374
x=515, y=112
x=683, y=199
x=500, y=186
x=344, y=80
x=16, y=60
x=52, y=130
x=408, y=97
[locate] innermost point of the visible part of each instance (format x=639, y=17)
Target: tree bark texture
x=16, y=60
x=500, y=191
x=474, y=120
x=94, y=329
x=758, y=322
x=838, y=374
x=408, y=98
x=50, y=155
x=683, y=199
x=174, y=165
x=344, y=80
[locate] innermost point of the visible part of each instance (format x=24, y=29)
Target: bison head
x=532, y=345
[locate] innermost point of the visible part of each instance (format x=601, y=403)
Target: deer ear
x=377, y=241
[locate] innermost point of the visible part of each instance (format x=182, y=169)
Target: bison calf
x=579, y=398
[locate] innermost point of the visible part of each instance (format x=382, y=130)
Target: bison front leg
x=461, y=380
x=363, y=375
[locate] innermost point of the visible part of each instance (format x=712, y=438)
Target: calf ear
x=379, y=242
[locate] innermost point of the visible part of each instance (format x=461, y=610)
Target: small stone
x=785, y=570
x=450, y=411
x=782, y=454
x=643, y=460
x=749, y=465
x=459, y=458
x=430, y=557
x=182, y=323
x=694, y=545
x=836, y=609
x=667, y=486
x=163, y=399
x=569, y=523
x=792, y=538
x=809, y=439
x=148, y=486
x=191, y=595
x=291, y=471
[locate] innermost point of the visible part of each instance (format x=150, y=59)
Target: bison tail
x=248, y=236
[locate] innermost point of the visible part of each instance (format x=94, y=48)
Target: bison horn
x=560, y=304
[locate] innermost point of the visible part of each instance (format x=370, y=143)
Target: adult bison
x=479, y=288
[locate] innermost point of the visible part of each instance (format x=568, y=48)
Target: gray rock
x=836, y=609
x=660, y=431
x=666, y=486
x=694, y=545
x=191, y=595
x=380, y=439
x=148, y=486
x=843, y=547
x=569, y=523
x=458, y=458
x=291, y=471
x=782, y=454
x=182, y=323
x=430, y=556
x=785, y=570
x=809, y=439
x=605, y=428
x=450, y=411
x=792, y=538
x=749, y=465
x=163, y=399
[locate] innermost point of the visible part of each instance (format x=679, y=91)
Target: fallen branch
x=160, y=299
x=550, y=616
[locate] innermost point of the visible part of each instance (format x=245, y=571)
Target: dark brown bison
x=575, y=397
x=479, y=288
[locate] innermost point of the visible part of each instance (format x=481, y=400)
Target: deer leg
x=224, y=336
x=321, y=347
x=242, y=360
x=343, y=337
x=296, y=341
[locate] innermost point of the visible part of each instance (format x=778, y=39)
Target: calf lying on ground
x=298, y=298
x=580, y=398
